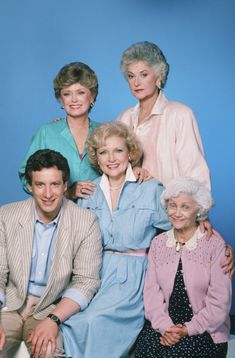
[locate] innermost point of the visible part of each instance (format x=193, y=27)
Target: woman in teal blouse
x=76, y=88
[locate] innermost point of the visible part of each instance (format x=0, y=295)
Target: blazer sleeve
x=189, y=148
x=218, y=298
x=87, y=260
x=156, y=309
x=3, y=261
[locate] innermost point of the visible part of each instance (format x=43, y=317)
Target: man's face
x=48, y=189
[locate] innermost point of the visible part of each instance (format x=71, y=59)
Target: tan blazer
x=75, y=263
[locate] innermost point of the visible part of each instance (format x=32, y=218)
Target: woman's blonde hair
x=113, y=129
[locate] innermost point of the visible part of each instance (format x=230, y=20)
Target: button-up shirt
x=44, y=242
x=43, y=248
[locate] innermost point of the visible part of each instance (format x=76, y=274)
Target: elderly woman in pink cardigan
x=187, y=296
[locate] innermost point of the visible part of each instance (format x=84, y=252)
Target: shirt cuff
x=76, y=296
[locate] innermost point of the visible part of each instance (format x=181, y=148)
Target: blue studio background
x=197, y=36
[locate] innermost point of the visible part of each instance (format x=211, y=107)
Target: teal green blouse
x=57, y=136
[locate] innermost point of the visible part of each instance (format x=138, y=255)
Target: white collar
x=105, y=186
x=158, y=106
x=191, y=244
x=130, y=176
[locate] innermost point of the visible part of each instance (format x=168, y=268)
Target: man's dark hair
x=46, y=158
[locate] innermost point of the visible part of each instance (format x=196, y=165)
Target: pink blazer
x=171, y=141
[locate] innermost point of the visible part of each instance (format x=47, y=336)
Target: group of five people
x=90, y=287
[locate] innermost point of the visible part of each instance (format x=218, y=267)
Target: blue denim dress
x=109, y=326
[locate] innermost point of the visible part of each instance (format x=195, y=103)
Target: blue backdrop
x=38, y=37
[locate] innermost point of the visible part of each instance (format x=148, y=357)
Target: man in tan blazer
x=50, y=255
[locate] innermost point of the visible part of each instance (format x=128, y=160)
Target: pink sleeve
x=189, y=149
x=156, y=310
x=125, y=117
x=218, y=298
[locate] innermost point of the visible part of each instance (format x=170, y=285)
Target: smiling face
x=182, y=212
x=113, y=157
x=47, y=189
x=76, y=100
x=142, y=80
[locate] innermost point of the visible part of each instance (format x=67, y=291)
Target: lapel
x=92, y=126
x=24, y=238
x=65, y=132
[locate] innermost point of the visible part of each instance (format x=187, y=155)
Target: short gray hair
x=149, y=53
x=185, y=185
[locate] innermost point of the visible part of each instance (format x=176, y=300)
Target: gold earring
x=158, y=85
x=92, y=104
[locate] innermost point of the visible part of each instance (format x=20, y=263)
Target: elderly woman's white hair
x=184, y=185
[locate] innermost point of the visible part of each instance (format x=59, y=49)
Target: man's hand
x=81, y=190
x=43, y=334
x=2, y=338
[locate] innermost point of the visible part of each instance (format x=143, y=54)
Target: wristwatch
x=54, y=318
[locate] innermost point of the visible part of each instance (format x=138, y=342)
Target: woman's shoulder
x=94, y=124
x=152, y=184
x=177, y=107
x=97, y=180
x=125, y=115
x=159, y=240
x=214, y=243
x=94, y=201
x=56, y=124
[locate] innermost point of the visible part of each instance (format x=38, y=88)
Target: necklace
x=178, y=245
x=112, y=188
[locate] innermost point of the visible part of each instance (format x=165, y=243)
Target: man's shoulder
x=13, y=213
x=17, y=206
x=75, y=210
